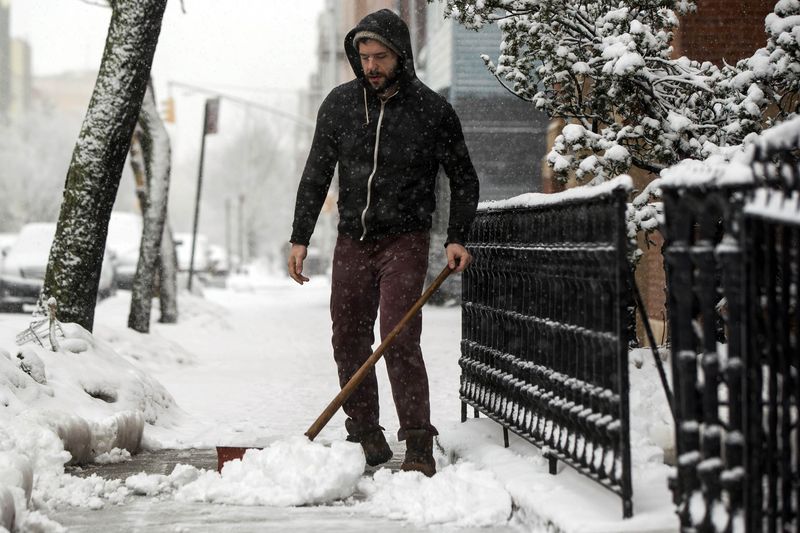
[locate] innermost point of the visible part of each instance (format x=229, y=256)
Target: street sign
x=212, y=115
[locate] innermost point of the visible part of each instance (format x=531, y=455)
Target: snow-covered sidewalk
x=253, y=367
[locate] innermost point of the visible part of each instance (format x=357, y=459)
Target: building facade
x=16, y=87
x=5, y=58
x=21, y=78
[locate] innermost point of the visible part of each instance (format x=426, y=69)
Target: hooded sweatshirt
x=388, y=152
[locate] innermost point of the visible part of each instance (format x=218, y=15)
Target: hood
x=392, y=28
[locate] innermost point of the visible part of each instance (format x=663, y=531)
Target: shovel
x=225, y=453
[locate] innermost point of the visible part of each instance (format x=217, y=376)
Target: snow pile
x=286, y=473
x=150, y=351
x=296, y=471
x=144, y=484
x=652, y=428
x=66, y=407
x=459, y=495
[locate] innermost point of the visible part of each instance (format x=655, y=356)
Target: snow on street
x=251, y=366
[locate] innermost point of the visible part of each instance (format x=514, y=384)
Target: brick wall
x=720, y=30
x=651, y=280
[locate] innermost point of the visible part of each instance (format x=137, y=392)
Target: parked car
x=218, y=260
x=25, y=263
x=123, y=241
x=6, y=240
x=183, y=249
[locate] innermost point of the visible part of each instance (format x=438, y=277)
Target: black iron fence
x=733, y=273
x=545, y=331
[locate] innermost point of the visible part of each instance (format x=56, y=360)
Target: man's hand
x=296, y=256
x=458, y=257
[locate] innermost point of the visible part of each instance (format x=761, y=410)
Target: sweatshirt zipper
x=374, y=170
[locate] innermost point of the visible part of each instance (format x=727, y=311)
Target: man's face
x=379, y=63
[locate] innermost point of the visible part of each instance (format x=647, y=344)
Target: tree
x=255, y=164
x=605, y=67
x=168, y=278
x=73, y=269
x=153, y=162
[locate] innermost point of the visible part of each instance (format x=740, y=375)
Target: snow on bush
x=606, y=68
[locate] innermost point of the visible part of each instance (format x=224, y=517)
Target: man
x=388, y=133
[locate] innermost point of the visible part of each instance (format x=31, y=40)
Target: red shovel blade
x=229, y=453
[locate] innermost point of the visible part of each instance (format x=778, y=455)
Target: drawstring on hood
x=366, y=109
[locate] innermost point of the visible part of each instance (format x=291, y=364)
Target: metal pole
x=241, y=231
x=228, y=245
x=197, y=198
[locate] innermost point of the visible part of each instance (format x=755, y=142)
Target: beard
x=384, y=82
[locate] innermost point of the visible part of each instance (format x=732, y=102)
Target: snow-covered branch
x=606, y=68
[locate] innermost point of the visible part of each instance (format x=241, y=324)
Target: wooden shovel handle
x=361, y=373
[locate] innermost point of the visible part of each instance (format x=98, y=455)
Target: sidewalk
x=149, y=514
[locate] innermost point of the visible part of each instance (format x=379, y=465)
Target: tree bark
x=76, y=256
x=153, y=194
x=168, y=276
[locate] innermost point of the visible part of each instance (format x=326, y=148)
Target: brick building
x=723, y=30
x=720, y=31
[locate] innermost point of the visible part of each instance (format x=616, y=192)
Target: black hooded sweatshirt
x=388, y=152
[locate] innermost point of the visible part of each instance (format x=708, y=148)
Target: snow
x=464, y=495
x=264, y=348
x=289, y=472
x=733, y=166
x=629, y=62
x=576, y=193
x=617, y=153
x=774, y=205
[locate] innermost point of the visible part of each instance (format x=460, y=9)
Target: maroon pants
x=388, y=274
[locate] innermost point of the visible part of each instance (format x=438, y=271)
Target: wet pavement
x=158, y=462
x=157, y=514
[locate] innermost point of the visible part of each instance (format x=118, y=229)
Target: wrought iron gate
x=733, y=271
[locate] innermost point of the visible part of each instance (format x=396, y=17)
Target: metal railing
x=707, y=371
x=733, y=276
x=772, y=363
x=545, y=334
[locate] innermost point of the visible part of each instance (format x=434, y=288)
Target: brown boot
x=376, y=449
x=419, y=452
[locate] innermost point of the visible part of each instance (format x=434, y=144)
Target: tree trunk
x=76, y=256
x=168, y=272
x=155, y=148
